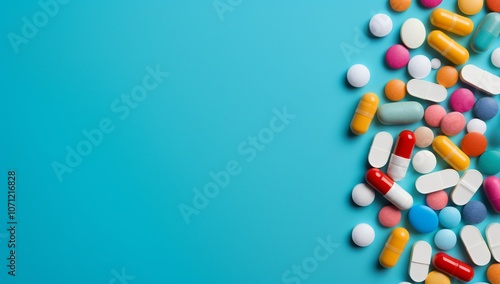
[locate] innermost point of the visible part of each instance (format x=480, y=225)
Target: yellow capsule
x=450, y=153
x=451, y=22
x=447, y=47
x=394, y=247
x=364, y=114
x=436, y=277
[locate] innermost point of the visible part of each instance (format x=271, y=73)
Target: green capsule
x=400, y=113
x=486, y=32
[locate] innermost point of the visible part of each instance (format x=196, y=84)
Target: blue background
x=118, y=210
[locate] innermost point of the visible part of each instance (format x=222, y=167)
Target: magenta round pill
x=453, y=123
x=397, y=56
x=389, y=216
x=430, y=3
x=434, y=114
x=462, y=100
x=437, y=200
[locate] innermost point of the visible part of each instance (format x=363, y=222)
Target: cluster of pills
x=390, y=158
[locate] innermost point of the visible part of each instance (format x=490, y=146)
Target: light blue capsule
x=400, y=113
x=486, y=32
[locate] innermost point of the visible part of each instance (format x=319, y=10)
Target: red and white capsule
x=389, y=189
x=400, y=158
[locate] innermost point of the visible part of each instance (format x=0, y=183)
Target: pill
x=363, y=235
x=451, y=22
x=493, y=273
x=423, y=136
x=474, y=144
x=474, y=212
x=400, y=158
x=453, y=267
x=419, y=66
x=413, y=33
x=449, y=217
x=363, y=194
x=468, y=185
x=489, y=162
x=480, y=79
x=486, y=32
x=493, y=5
x=424, y=161
x=394, y=247
x=389, y=189
x=462, y=100
x=436, y=181
x=476, y=125
x=421, y=256
x=493, y=238
x=395, y=90
x=475, y=245
x=495, y=57
x=447, y=47
x=400, y=113
x=486, y=108
x=358, y=75
x=426, y=90
x=400, y=5
x=453, y=123
x=447, y=76
x=380, y=149
x=430, y=3
x=491, y=187
x=470, y=7
x=437, y=200
x=436, y=277
x=365, y=111
x=389, y=216
x=397, y=56
x=423, y=219
x=435, y=63
x=450, y=153
x=434, y=114
x=445, y=239
x=380, y=25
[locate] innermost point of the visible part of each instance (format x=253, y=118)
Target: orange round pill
x=447, y=76
x=493, y=5
x=474, y=144
x=400, y=5
x=395, y=90
x=493, y=273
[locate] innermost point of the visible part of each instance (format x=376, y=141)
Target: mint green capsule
x=400, y=113
x=486, y=32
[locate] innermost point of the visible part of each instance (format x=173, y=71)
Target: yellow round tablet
x=447, y=76
x=470, y=7
x=436, y=277
x=395, y=90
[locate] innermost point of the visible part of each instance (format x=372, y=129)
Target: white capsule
x=475, y=245
x=467, y=186
x=437, y=181
x=421, y=255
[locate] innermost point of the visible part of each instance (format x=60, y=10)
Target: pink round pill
x=389, y=216
x=430, y=3
x=434, y=114
x=453, y=123
x=397, y=56
x=462, y=100
x=437, y=200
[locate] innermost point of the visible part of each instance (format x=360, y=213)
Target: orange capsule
x=450, y=152
x=447, y=47
x=394, y=247
x=451, y=22
x=364, y=114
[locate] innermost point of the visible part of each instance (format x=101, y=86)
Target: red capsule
x=453, y=267
x=400, y=158
x=389, y=189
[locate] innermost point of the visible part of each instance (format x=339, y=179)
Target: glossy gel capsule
x=364, y=114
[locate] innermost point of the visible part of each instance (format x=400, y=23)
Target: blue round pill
x=445, y=239
x=486, y=108
x=423, y=219
x=474, y=212
x=449, y=217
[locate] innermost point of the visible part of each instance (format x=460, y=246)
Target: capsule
x=491, y=187
x=486, y=32
x=394, y=247
x=400, y=158
x=364, y=114
x=389, y=189
x=453, y=267
x=452, y=155
x=447, y=47
x=452, y=22
x=400, y=113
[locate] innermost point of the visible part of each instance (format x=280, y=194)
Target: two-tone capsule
x=447, y=47
x=450, y=152
x=364, y=114
x=394, y=247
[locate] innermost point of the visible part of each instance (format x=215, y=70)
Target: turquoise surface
x=196, y=141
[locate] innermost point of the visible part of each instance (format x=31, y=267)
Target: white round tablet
x=495, y=57
x=380, y=25
x=413, y=33
x=363, y=235
x=476, y=125
x=362, y=194
x=358, y=75
x=424, y=161
x=435, y=63
x=419, y=66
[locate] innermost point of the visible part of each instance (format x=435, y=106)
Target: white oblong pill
x=480, y=79
x=426, y=90
x=380, y=149
x=493, y=237
x=475, y=245
x=421, y=255
x=419, y=66
x=363, y=235
x=467, y=186
x=380, y=25
x=437, y=181
x=424, y=161
x=363, y=194
x=413, y=33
